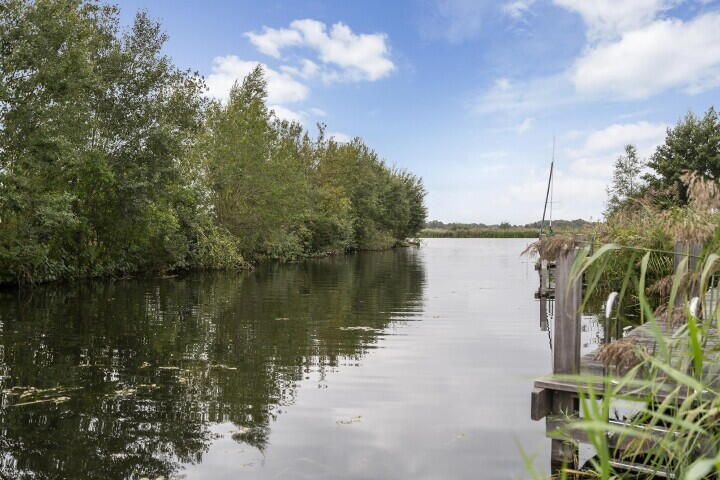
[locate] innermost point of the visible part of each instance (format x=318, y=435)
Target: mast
x=549, y=192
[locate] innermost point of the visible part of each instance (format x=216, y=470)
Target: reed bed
x=675, y=428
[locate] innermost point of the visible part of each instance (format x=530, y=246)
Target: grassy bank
x=479, y=233
x=437, y=229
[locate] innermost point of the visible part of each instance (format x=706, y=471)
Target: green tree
x=257, y=179
x=626, y=181
x=94, y=130
x=692, y=145
x=112, y=161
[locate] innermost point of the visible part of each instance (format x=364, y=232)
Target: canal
x=406, y=364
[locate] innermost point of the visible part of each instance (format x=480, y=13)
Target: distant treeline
x=481, y=232
x=438, y=229
x=113, y=161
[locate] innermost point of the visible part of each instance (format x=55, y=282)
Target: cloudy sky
x=468, y=93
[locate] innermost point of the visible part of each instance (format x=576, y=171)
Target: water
x=409, y=364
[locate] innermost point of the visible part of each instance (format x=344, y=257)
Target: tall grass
x=675, y=427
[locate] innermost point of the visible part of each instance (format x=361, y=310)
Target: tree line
x=114, y=161
x=691, y=149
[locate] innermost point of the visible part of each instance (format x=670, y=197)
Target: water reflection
x=125, y=379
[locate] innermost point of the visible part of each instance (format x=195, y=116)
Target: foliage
x=626, y=180
x=692, y=145
x=94, y=129
x=675, y=427
x=112, y=161
x=437, y=229
x=676, y=201
x=480, y=232
x=558, y=225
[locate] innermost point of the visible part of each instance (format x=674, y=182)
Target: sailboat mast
x=547, y=193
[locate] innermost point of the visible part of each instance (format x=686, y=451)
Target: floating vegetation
x=32, y=395
x=350, y=421
x=222, y=366
x=363, y=329
x=55, y=400
x=128, y=391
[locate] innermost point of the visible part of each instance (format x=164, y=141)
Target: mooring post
x=544, y=293
x=566, y=349
x=568, y=294
x=694, y=255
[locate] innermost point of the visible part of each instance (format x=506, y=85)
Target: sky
x=468, y=94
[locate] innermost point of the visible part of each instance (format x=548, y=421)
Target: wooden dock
x=557, y=400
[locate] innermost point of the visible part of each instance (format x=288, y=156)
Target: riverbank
x=479, y=233
x=245, y=266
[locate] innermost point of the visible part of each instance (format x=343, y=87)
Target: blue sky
x=468, y=93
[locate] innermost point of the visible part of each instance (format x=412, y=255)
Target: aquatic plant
x=673, y=430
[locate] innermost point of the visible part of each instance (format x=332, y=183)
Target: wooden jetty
x=556, y=400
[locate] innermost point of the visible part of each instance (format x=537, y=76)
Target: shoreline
x=167, y=274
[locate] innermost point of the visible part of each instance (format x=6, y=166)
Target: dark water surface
x=409, y=364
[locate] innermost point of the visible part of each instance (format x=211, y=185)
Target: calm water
x=410, y=364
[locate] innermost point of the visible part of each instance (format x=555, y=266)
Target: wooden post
x=544, y=294
x=694, y=252
x=677, y=259
x=566, y=351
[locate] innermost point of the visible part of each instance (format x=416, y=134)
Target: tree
x=692, y=145
x=257, y=171
x=94, y=128
x=626, y=180
x=113, y=161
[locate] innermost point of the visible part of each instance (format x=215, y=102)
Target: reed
x=675, y=426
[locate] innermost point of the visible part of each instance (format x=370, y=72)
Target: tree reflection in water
x=135, y=372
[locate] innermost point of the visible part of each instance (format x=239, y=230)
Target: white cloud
x=318, y=112
x=582, y=172
x=573, y=197
x=284, y=113
x=525, y=125
x=663, y=55
x=492, y=155
x=506, y=96
x=308, y=69
x=455, y=20
x=607, y=19
x=271, y=40
x=503, y=84
x=340, y=137
x=354, y=56
x=282, y=87
x=517, y=8
x=596, y=155
x=620, y=134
